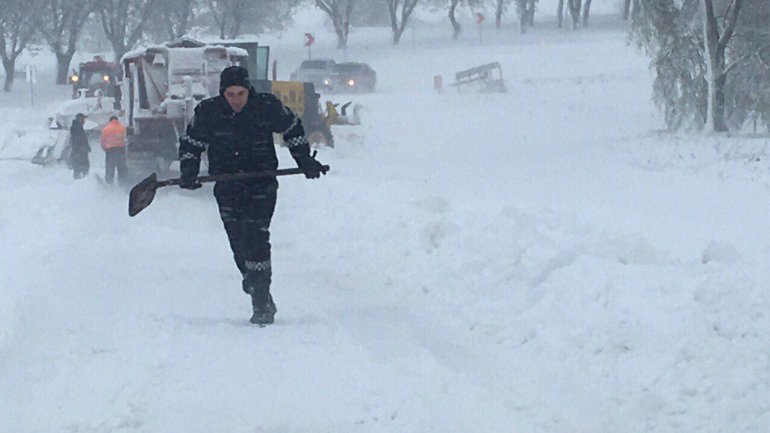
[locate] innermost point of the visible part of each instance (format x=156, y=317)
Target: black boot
x=264, y=311
x=257, y=284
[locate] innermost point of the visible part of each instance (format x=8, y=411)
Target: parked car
x=320, y=72
x=354, y=77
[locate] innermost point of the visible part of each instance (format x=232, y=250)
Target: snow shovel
x=143, y=193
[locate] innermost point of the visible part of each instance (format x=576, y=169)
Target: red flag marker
x=309, y=39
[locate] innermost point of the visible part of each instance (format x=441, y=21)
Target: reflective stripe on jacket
x=113, y=135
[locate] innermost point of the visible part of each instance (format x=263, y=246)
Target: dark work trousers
x=115, y=159
x=246, y=208
x=80, y=164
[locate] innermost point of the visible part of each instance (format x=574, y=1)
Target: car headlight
x=351, y=82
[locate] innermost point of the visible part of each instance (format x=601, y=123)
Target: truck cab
x=95, y=76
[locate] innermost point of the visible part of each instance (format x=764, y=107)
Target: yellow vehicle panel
x=292, y=94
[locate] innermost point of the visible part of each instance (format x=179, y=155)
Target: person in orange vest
x=114, y=144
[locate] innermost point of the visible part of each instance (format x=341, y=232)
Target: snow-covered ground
x=536, y=261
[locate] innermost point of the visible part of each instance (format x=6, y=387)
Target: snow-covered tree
x=399, y=12
x=60, y=22
x=17, y=27
x=668, y=35
x=339, y=11
x=747, y=90
x=708, y=59
x=124, y=21
x=718, y=35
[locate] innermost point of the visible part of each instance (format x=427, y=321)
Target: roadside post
x=309, y=39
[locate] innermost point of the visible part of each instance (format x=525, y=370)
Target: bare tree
x=500, y=8
x=574, y=8
x=372, y=13
x=526, y=11
x=531, y=12
x=626, y=9
x=231, y=17
x=629, y=7
x=456, y=29
x=228, y=15
x=717, y=39
x=398, y=24
x=177, y=16
x=339, y=11
x=574, y=11
x=123, y=21
x=586, y=12
x=16, y=30
x=60, y=24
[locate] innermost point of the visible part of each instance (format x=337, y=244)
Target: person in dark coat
x=236, y=129
x=79, y=147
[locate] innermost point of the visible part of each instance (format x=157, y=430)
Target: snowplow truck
x=161, y=87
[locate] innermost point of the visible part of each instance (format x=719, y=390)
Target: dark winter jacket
x=78, y=139
x=240, y=142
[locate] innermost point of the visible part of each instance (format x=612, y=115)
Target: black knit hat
x=233, y=76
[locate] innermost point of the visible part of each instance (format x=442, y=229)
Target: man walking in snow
x=236, y=129
x=79, y=147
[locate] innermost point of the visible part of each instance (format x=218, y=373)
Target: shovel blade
x=142, y=194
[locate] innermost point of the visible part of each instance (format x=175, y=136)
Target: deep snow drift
x=536, y=261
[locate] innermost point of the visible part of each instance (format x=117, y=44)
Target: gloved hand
x=310, y=166
x=189, y=182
